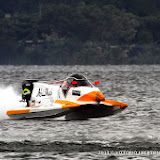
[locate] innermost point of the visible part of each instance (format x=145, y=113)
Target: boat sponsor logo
x=76, y=93
x=44, y=92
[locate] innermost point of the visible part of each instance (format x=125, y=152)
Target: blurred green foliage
x=79, y=32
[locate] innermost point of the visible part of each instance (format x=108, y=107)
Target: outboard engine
x=28, y=84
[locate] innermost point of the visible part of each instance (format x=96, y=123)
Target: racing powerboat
x=75, y=98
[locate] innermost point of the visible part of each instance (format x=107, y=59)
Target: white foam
x=8, y=100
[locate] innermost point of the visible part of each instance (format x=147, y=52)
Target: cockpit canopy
x=79, y=79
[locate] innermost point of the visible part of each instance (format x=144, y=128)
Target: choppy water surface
x=135, y=129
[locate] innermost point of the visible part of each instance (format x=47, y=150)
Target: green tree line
x=79, y=32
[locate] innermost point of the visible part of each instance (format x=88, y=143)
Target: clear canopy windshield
x=79, y=79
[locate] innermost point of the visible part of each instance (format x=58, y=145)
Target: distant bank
x=74, y=53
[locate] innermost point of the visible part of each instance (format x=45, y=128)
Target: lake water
x=132, y=134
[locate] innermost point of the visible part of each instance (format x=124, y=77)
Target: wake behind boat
x=74, y=97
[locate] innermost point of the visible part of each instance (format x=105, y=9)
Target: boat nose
x=116, y=104
x=123, y=105
x=93, y=96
